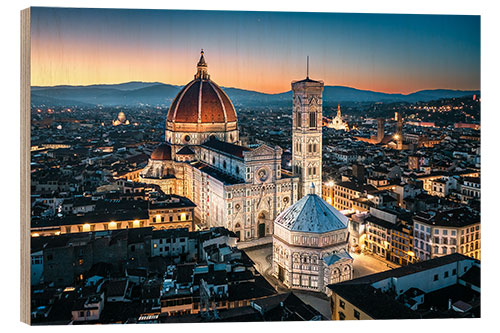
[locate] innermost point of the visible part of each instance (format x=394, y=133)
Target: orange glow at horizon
x=86, y=63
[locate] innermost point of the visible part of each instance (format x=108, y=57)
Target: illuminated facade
x=310, y=245
x=121, y=120
x=438, y=233
x=337, y=122
x=171, y=213
x=240, y=188
x=307, y=114
x=327, y=192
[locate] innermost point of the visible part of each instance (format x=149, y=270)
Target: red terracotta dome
x=162, y=153
x=201, y=101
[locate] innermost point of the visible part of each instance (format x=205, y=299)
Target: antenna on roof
x=307, y=66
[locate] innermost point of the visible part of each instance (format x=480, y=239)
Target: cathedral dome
x=162, y=153
x=201, y=101
x=312, y=214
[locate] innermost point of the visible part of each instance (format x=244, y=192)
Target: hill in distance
x=156, y=93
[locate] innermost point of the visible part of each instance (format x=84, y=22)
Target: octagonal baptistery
x=201, y=110
x=310, y=245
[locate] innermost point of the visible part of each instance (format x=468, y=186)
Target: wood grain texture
x=25, y=166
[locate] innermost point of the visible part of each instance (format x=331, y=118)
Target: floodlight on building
x=137, y=223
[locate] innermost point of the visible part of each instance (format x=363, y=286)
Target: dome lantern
x=201, y=109
x=202, y=68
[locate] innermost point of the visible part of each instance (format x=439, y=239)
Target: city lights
x=160, y=195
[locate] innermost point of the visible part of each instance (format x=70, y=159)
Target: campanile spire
x=307, y=75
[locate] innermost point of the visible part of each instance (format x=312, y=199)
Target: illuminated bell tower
x=399, y=131
x=306, y=130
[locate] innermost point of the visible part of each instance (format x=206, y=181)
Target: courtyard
x=364, y=264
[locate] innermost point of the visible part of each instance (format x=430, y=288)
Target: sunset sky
x=262, y=51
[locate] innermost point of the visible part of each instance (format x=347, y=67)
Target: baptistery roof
x=312, y=214
x=201, y=101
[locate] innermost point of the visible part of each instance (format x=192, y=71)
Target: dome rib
x=200, y=97
x=187, y=107
x=202, y=101
x=178, y=100
x=220, y=100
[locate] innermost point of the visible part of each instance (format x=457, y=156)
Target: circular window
x=237, y=206
x=285, y=199
x=262, y=174
x=187, y=138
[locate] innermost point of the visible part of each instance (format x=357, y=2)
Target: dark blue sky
x=256, y=50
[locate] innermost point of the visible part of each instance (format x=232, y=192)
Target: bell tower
x=307, y=115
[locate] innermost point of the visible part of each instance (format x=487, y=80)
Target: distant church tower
x=306, y=130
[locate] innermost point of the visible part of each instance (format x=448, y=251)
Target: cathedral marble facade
x=240, y=188
x=245, y=190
